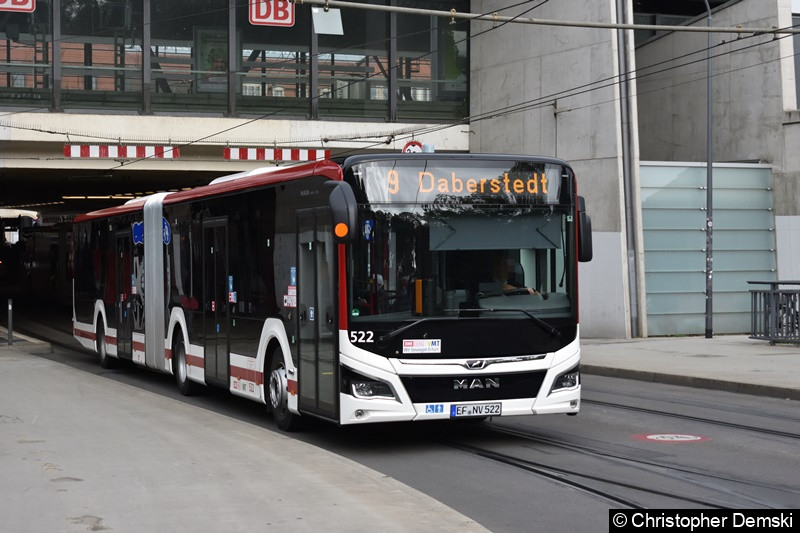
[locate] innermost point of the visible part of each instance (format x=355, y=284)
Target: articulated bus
x=375, y=288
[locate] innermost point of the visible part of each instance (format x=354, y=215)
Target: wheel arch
x=99, y=319
x=273, y=338
x=177, y=323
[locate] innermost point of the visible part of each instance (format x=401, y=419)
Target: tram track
x=721, y=492
x=704, y=420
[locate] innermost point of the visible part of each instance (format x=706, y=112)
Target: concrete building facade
x=756, y=117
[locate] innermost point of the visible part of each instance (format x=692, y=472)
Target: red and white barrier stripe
x=275, y=154
x=111, y=151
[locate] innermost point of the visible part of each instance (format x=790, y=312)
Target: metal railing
x=775, y=312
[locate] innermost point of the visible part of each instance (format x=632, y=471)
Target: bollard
x=10, y=324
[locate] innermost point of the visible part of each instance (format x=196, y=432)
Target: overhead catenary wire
x=502, y=20
x=392, y=134
x=496, y=18
x=514, y=108
x=547, y=100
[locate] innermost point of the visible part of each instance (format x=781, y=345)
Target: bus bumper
x=565, y=400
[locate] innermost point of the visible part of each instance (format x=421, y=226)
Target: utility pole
x=709, y=192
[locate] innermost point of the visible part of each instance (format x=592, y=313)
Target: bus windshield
x=461, y=238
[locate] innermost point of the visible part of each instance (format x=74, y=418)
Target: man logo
x=475, y=364
x=476, y=383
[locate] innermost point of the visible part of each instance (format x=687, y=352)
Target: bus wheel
x=279, y=395
x=181, y=370
x=106, y=360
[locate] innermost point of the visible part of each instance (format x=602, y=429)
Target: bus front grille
x=473, y=387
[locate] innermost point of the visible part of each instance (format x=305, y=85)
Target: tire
x=181, y=370
x=106, y=361
x=278, y=401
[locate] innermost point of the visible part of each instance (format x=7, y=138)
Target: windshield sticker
x=422, y=346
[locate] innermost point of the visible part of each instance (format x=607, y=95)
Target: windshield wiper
x=536, y=320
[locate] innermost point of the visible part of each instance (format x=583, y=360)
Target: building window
x=432, y=64
x=101, y=52
x=418, y=72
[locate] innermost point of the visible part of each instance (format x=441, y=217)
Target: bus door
x=124, y=316
x=316, y=311
x=215, y=299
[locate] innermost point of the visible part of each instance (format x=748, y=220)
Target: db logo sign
x=26, y=6
x=270, y=12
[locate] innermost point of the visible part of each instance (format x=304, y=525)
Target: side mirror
x=584, y=232
x=344, y=211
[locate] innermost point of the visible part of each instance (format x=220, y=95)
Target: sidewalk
x=733, y=363
x=71, y=462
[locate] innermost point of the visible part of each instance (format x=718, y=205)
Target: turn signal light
x=341, y=230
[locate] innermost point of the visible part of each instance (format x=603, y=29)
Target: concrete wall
x=560, y=75
x=754, y=99
x=747, y=90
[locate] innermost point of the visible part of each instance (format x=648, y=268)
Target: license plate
x=480, y=409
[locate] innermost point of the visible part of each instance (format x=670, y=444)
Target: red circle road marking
x=670, y=437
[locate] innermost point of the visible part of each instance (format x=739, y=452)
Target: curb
x=695, y=382
x=22, y=342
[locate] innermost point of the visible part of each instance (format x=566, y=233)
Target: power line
x=547, y=101
x=496, y=18
x=313, y=97
x=512, y=109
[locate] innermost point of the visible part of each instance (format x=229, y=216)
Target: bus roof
x=362, y=158
x=227, y=184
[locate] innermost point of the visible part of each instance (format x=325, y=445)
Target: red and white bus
x=392, y=287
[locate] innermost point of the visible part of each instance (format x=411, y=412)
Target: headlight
x=568, y=380
x=371, y=389
x=364, y=387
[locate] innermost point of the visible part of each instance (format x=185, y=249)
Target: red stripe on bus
x=167, y=353
x=247, y=374
x=111, y=340
x=138, y=346
x=342, y=287
x=85, y=334
x=193, y=360
x=291, y=386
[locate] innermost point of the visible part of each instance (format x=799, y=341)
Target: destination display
x=488, y=182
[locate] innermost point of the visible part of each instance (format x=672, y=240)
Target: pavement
x=733, y=363
x=35, y=409
x=82, y=452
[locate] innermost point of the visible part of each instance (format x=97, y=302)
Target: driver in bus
x=503, y=272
